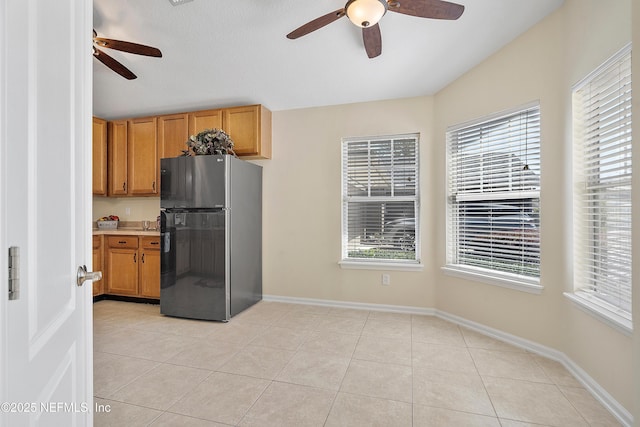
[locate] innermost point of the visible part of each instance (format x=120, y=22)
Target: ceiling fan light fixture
x=365, y=13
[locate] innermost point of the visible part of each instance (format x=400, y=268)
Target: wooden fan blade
x=372, y=40
x=113, y=64
x=316, y=24
x=138, y=49
x=435, y=9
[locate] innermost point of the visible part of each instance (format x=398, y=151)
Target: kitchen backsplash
x=127, y=208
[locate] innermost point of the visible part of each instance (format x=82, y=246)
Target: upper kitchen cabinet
x=117, y=157
x=250, y=129
x=248, y=126
x=99, y=157
x=142, y=145
x=133, y=157
x=173, y=132
x=205, y=119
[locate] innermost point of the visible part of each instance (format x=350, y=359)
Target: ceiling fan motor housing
x=365, y=13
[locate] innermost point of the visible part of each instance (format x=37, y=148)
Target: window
x=602, y=174
x=380, y=199
x=494, y=198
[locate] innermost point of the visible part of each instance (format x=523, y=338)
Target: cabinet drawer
x=123, y=242
x=150, y=242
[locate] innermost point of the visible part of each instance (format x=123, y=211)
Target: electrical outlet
x=386, y=279
x=127, y=211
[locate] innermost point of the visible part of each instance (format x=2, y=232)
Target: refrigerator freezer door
x=209, y=181
x=173, y=182
x=193, y=279
x=193, y=182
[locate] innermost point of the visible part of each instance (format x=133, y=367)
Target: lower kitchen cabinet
x=149, y=269
x=98, y=285
x=121, y=265
x=132, y=266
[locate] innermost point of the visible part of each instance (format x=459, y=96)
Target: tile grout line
x=484, y=385
x=571, y=403
x=271, y=381
x=345, y=372
x=180, y=398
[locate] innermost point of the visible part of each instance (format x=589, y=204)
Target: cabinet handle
x=155, y=243
x=143, y=258
x=122, y=242
x=153, y=185
x=124, y=187
x=135, y=257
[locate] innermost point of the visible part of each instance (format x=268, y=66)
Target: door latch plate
x=14, y=273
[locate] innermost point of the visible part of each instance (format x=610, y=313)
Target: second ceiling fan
x=367, y=13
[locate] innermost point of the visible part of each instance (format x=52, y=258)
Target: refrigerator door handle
x=167, y=242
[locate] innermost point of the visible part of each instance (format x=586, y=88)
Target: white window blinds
x=602, y=173
x=380, y=199
x=494, y=194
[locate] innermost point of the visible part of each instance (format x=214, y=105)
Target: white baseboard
x=599, y=393
x=516, y=341
x=347, y=304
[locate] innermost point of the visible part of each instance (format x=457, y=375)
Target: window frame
x=584, y=298
x=529, y=284
x=347, y=262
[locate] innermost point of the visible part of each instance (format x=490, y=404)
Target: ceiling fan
x=138, y=49
x=367, y=13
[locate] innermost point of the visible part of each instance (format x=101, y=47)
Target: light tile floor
x=297, y=365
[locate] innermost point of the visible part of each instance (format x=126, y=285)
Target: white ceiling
x=222, y=53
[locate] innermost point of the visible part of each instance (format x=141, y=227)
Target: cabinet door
x=98, y=285
x=242, y=124
x=206, y=119
x=142, y=146
x=121, y=264
x=99, y=157
x=173, y=132
x=250, y=129
x=117, y=158
x=122, y=271
x=150, y=268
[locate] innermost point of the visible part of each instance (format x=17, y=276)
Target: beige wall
x=302, y=203
x=541, y=65
x=140, y=208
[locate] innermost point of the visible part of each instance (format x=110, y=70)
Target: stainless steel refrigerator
x=211, y=236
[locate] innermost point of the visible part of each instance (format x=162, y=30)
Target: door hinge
x=14, y=273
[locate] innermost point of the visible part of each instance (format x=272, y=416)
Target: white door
x=45, y=211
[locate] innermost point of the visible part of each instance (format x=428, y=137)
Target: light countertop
x=131, y=228
x=130, y=231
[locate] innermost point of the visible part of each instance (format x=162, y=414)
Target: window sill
x=380, y=265
x=594, y=307
x=505, y=280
